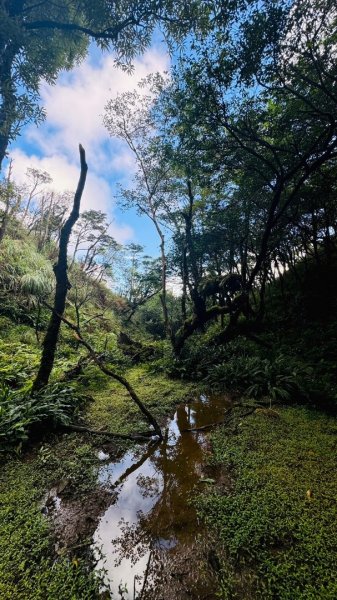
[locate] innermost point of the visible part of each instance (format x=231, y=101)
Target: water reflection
x=151, y=519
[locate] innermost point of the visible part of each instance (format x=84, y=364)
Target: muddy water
x=149, y=537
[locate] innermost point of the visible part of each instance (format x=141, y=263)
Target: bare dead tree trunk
x=62, y=284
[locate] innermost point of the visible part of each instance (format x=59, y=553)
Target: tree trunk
x=199, y=303
x=162, y=295
x=163, y=298
x=62, y=285
x=4, y=223
x=7, y=199
x=8, y=102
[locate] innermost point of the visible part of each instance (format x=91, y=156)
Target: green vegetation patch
x=29, y=569
x=113, y=408
x=278, y=523
x=18, y=363
x=29, y=566
x=20, y=413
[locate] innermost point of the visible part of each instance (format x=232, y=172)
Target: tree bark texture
x=62, y=285
x=8, y=100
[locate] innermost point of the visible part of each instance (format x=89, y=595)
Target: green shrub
x=18, y=364
x=19, y=412
x=282, y=378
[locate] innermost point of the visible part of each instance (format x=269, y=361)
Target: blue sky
x=74, y=108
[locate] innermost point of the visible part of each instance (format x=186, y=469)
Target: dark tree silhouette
x=62, y=284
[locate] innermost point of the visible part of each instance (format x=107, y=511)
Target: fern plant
x=55, y=405
x=281, y=379
x=24, y=272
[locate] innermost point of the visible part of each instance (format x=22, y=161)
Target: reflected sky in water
x=151, y=516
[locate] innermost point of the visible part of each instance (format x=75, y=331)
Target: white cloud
x=97, y=193
x=74, y=108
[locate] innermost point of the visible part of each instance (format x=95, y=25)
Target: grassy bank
x=31, y=566
x=277, y=525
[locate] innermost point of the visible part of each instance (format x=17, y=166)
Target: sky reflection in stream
x=151, y=516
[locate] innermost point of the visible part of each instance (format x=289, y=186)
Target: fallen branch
x=195, y=322
x=124, y=382
x=225, y=421
x=143, y=436
x=202, y=427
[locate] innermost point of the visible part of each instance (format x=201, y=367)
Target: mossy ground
x=276, y=528
x=113, y=408
x=29, y=567
x=278, y=523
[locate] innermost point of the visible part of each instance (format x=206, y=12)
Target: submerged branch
x=203, y=427
x=142, y=436
x=229, y=416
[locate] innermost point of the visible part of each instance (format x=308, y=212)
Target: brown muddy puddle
x=149, y=542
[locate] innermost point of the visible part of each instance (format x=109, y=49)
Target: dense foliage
x=54, y=406
x=235, y=156
x=39, y=39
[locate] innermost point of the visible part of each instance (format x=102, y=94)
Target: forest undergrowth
x=31, y=564
x=229, y=159
x=276, y=523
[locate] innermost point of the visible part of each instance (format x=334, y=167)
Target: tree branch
x=98, y=360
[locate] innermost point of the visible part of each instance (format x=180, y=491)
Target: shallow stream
x=148, y=541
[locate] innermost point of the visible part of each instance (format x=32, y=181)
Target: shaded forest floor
x=44, y=559
x=273, y=528
x=274, y=525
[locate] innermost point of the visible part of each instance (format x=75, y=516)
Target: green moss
x=28, y=567
x=71, y=458
x=113, y=408
x=278, y=524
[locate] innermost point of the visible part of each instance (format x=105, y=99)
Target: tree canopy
x=229, y=152
x=39, y=39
